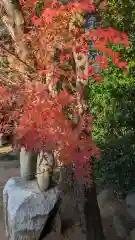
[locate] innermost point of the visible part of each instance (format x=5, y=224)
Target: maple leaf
x=35, y=1
x=2, y=90
x=77, y=49
x=98, y=78
x=36, y=20
x=64, y=97
x=90, y=70
x=87, y=6
x=121, y=64
x=17, y=114
x=103, y=61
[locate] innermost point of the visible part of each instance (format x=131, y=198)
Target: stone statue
x=45, y=163
x=38, y=166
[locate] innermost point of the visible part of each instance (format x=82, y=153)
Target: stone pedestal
x=26, y=208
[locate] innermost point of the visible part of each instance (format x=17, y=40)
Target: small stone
x=118, y=225
x=131, y=211
x=132, y=234
x=105, y=196
x=27, y=208
x=130, y=199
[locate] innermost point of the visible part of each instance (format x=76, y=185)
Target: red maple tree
x=55, y=29
x=41, y=113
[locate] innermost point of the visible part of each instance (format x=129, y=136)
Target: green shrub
x=112, y=105
x=120, y=14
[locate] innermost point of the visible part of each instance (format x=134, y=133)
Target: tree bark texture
x=94, y=229
x=86, y=193
x=90, y=218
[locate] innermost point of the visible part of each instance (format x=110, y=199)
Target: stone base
x=26, y=208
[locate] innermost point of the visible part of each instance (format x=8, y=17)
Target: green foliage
x=64, y=1
x=121, y=14
x=112, y=105
x=39, y=7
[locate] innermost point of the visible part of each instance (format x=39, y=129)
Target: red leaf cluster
x=40, y=121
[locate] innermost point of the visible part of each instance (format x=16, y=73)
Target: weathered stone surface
x=26, y=208
x=105, y=196
x=118, y=225
x=131, y=211
x=2, y=139
x=28, y=161
x=130, y=199
x=44, y=168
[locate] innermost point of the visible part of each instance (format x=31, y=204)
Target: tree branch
x=17, y=57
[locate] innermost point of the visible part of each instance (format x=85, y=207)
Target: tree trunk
x=14, y=22
x=87, y=204
x=87, y=198
x=94, y=229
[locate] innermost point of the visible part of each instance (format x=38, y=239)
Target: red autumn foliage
x=40, y=122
